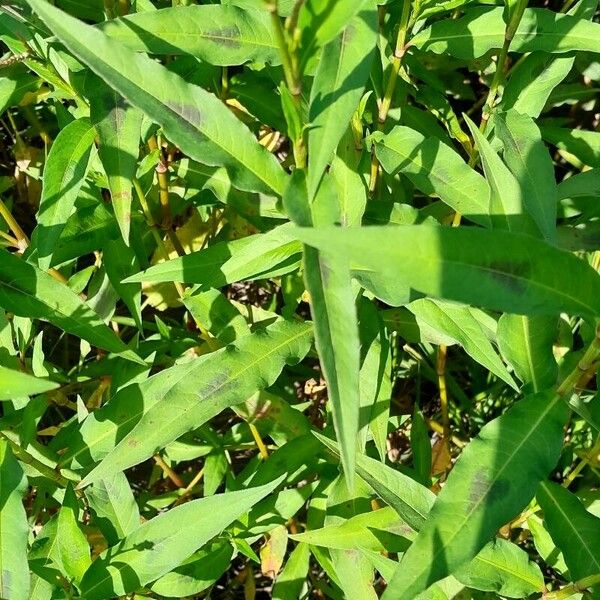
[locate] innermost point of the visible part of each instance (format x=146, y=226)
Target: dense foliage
x=299, y=299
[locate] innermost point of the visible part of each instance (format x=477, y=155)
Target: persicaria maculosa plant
x=299, y=299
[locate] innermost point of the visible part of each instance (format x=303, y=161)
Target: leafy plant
x=299, y=299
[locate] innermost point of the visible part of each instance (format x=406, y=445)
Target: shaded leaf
x=493, y=269
x=494, y=478
x=338, y=86
x=162, y=544
x=29, y=292
x=191, y=117
x=15, y=384
x=64, y=174
x=482, y=30
x=574, y=530
x=14, y=529
x=436, y=170
x=217, y=34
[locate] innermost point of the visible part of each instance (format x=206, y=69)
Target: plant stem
x=573, y=588
x=498, y=78
x=587, y=458
x=441, y=373
x=21, y=237
x=264, y=453
x=291, y=75
x=386, y=102
x=166, y=469
x=28, y=459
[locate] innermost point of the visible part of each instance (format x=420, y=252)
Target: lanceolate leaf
x=494, y=478
x=322, y=20
x=526, y=343
x=493, y=269
x=73, y=551
x=506, y=200
x=164, y=542
x=14, y=530
x=15, y=384
x=530, y=163
x=535, y=77
x=270, y=254
x=575, y=530
x=64, y=174
x=343, y=70
x=504, y=568
x=118, y=126
x=482, y=30
x=437, y=170
x=336, y=337
x=116, y=511
x=217, y=34
x=191, y=117
x=143, y=418
x=500, y=566
x=332, y=303
x=459, y=323
x=585, y=145
x=26, y=291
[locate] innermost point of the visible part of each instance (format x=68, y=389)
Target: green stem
x=573, y=588
x=291, y=76
x=399, y=52
x=390, y=88
x=498, y=78
x=25, y=457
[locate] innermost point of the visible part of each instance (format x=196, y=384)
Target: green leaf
x=506, y=200
x=411, y=500
x=147, y=416
x=459, y=323
x=73, y=551
x=114, y=506
x=15, y=384
x=574, y=530
x=161, y=544
x=585, y=145
x=217, y=315
x=482, y=30
x=26, y=291
x=336, y=338
x=436, y=170
x=535, y=77
x=321, y=21
x=494, y=269
x=381, y=530
x=526, y=343
x=499, y=566
x=333, y=308
x=14, y=529
x=197, y=573
x=338, y=86
x=198, y=122
x=64, y=174
x=289, y=583
x=253, y=257
x=494, y=478
x=221, y=35
x=118, y=126
x=120, y=261
x=503, y=568
x=530, y=163
x=375, y=378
